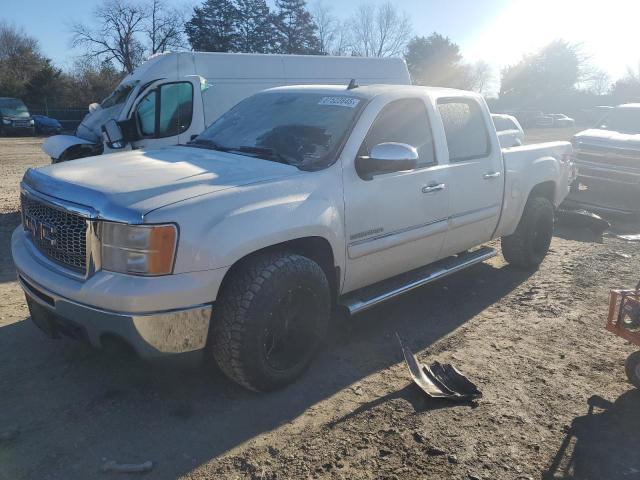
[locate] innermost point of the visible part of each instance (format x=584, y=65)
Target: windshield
x=12, y=107
x=503, y=123
x=625, y=120
x=118, y=96
x=301, y=129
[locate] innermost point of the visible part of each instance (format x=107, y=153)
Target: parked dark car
x=47, y=125
x=15, y=118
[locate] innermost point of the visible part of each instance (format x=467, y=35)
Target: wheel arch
x=315, y=248
x=546, y=189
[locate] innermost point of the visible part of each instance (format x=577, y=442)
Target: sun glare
x=610, y=39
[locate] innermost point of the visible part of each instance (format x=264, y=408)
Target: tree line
x=123, y=33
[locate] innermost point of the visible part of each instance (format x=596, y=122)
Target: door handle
x=490, y=175
x=433, y=187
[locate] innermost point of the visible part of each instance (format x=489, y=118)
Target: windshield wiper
x=260, y=152
x=208, y=144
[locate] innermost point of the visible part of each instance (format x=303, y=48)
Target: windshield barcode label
x=340, y=101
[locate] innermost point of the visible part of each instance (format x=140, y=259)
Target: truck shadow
x=74, y=406
x=603, y=445
x=8, y=222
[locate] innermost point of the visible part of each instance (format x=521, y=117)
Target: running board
x=367, y=297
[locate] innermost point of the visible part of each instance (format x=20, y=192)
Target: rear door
x=476, y=176
x=396, y=221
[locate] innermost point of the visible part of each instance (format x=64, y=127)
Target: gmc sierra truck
x=297, y=200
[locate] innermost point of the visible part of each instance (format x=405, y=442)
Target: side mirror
x=386, y=158
x=113, y=134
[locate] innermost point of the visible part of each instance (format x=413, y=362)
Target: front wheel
x=529, y=244
x=270, y=320
x=632, y=368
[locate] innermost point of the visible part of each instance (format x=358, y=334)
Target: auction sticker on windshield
x=340, y=101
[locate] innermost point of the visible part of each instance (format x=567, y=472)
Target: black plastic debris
x=440, y=380
x=583, y=219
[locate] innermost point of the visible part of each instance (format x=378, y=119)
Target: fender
x=218, y=229
x=519, y=184
x=55, y=146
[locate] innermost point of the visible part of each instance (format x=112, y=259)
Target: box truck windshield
x=90, y=127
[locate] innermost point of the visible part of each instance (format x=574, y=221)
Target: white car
x=510, y=133
x=297, y=199
x=173, y=97
x=562, y=121
x=543, y=121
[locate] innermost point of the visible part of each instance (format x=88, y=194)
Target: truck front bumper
x=150, y=335
x=156, y=316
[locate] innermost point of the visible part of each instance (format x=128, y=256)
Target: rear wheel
x=632, y=368
x=270, y=319
x=529, y=244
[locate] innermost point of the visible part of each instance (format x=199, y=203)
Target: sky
x=497, y=31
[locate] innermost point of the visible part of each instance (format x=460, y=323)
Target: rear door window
x=465, y=129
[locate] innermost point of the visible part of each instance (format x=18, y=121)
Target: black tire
x=632, y=368
x=270, y=319
x=529, y=244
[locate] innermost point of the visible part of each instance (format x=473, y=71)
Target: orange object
x=624, y=314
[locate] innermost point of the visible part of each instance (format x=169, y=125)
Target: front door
x=168, y=113
x=395, y=221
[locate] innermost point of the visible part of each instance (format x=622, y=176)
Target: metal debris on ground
x=439, y=380
x=112, y=466
x=634, y=237
x=583, y=219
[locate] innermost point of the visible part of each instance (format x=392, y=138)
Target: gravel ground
x=556, y=402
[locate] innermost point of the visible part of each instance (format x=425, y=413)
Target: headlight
x=139, y=249
x=32, y=122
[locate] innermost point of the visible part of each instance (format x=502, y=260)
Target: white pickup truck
x=608, y=161
x=296, y=200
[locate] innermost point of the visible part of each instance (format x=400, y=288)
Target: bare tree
x=381, y=31
x=163, y=27
x=116, y=36
x=598, y=81
x=342, y=39
x=480, y=75
x=327, y=26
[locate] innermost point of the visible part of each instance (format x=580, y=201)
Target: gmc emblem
x=40, y=230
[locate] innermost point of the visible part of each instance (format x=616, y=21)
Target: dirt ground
x=556, y=401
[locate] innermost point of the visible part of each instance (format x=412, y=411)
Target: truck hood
x=125, y=186
x=607, y=139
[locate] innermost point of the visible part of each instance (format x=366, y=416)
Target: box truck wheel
x=529, y=244
x=269, y=320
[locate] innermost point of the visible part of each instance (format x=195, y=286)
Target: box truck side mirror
x=113, y=134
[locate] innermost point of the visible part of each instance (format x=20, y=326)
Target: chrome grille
x=59, y=235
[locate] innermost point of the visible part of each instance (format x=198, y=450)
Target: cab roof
x=629, y=105
x=371, y=91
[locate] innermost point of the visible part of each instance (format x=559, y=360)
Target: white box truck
x=173, y=97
